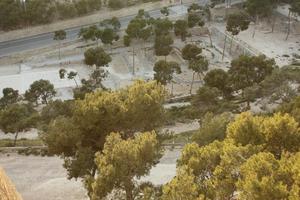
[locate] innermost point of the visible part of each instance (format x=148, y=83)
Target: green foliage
x=212, y=128
x=10, y=96
x=164, y=11
x=96, y=56
x=90, y=33
x=162, y=26
x=16, y=14
x=278, y=85
x=66, y=10
x=183, y=186
x=162, y=45
x=54, y=109
x=191, y=52
x=295, y=6
x=277, y=133
x=107, y=36
x=130, y=110
x=207, y=100
x=59, y=35
x=259, y=159
x=11, y=14
x=181, y=29
x=39, y=12
x=17, y=118
x=194, y=19
x=237, y=22
x=218, y=78
x=194, y=7
x=115, y=22
x=246, y=71
x=91, y=84
x=141, y=153
x=135, y=27
x=199, y=65
x=247, y=129
x=164, y=71
x=116, y=4
x=260, y=8
x=41, y=90
x=264, y=177
x=126, y=40
x=292, y=108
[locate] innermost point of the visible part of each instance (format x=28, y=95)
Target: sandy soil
x=273, y=45
x=44, y=178
x=183, y=127
x=45, y=65
x=39, y=178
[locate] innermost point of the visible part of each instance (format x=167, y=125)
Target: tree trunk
x=255, y=26
x=231, y=42
x=274, y=22
x=209, y=34
x=16, y=137
x=128, y=190
x=289, y=27
x=75, y=81
x=133, y=61
x=192, y=83
x=223, y=54
x=248, y=105
x=172, y=87
x=59, y=50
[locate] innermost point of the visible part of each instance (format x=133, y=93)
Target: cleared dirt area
x=44, y=178
x=39, y=178
x=21, y=70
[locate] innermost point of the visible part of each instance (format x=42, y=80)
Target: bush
x=116, y=4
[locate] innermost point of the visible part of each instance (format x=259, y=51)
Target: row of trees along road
x=18, y=13
x=23, y=13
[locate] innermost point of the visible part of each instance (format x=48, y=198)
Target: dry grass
x=7, y=189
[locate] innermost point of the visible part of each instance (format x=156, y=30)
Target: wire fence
x=234, y=46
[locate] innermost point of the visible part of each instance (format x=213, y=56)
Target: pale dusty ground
x=44, y=178
x=41, y=178
x=183, y=127
x=45, y=65
x=273, y=45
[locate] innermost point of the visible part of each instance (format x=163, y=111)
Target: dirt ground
x=44, y=178
x=41, y=178
x=21, y=70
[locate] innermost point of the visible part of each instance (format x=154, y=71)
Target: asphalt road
x=43, y=40
x=46, y=39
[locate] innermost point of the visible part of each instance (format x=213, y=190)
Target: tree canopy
x=129, y=110
x=17, y=118
x=96, y=56
x=41, y=90
x=140, y=154
x=164, y=71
